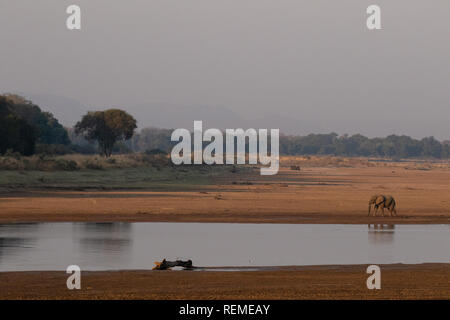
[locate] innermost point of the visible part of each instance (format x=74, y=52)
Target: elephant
x=389, y=204
x=383, y=201
x=375, y=201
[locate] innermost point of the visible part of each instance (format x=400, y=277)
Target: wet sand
x=423, y=281
x=312, y=195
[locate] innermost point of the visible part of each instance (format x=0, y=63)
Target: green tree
x=358, y=145
x=48, y=129
x=106, y=127
x=152, y=138
x=431, y=147
x=15, y=133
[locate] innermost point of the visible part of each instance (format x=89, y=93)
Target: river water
x=114, y=246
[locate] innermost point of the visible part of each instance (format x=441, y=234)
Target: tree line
x=26, y=129
x=392, y=146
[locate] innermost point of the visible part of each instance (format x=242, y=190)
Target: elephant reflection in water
x=381, y=233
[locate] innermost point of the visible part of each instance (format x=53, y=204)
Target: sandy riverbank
x=312, y=195
x=423, y=281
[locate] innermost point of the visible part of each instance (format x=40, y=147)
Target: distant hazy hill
x=164, y=115
x=183, y=116
x=68, y=111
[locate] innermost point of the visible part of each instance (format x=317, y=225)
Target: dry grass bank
x=119, y=172
x=73, y=162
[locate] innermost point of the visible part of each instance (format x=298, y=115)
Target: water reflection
x=12, y=240
x=12, y=245
x=105, y=243
x=104, y=227
x=381, y=233
x=18, y=228
x=96, y=236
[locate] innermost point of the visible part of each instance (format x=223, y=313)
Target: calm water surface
x=113, y=246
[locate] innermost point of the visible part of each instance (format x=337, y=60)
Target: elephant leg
x=372, y=212
x=394, y=211
x=376, y=212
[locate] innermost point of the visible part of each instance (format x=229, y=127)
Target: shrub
x=10, y=153
x=66, y=165
x=156, y=152
x=84, y=149
x=93, y=165
x=53, y=149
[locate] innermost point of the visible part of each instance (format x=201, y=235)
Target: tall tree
x=15, y=133
x=49, y=130
x=106, y=127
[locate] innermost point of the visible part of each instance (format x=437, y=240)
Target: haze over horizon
x=301, y=66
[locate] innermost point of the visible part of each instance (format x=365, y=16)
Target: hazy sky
x=301, y=66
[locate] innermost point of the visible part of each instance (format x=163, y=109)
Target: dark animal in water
x=165, y=265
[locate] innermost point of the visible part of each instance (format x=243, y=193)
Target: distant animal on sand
x=375, y=201
x=383, y=201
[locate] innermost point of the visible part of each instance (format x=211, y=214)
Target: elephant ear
x=380, y=200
